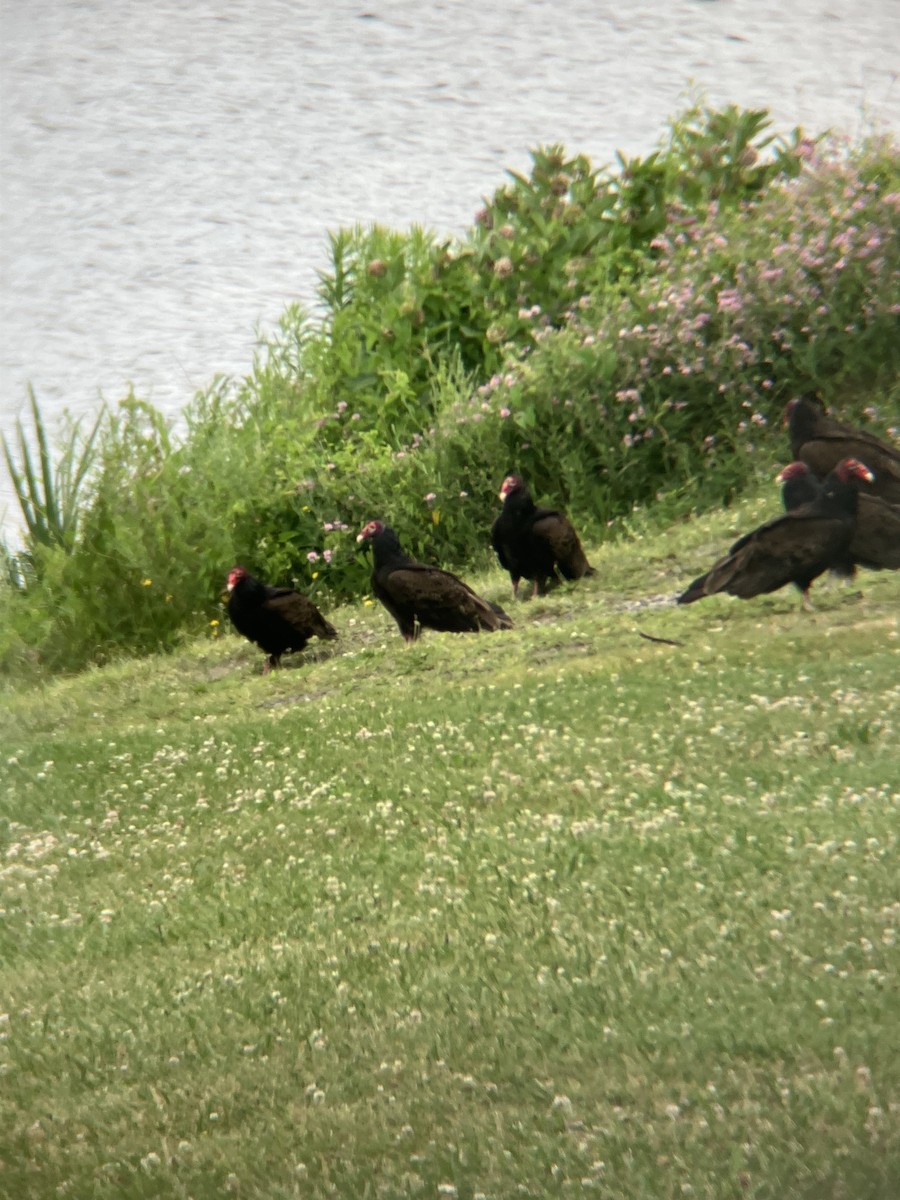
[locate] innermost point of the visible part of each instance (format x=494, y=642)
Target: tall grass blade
x=85, y=461
x=49, y=481
x=38, y=525
x=48, y=494
x=19, y=484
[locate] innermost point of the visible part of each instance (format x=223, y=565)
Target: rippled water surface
x=169, y=171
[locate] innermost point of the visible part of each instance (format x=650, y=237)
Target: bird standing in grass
x=418, y=596
x=822, y=442
x=539, y=544
x=876, y=539
x=795, y=548
x=278, y=619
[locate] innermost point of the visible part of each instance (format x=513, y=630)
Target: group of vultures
x=841, y=495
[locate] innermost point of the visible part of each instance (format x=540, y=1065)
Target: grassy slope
x=522, y=915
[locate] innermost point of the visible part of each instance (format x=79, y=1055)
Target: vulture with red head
x=277, y=619
x=822, y=442
x=421, y=597
x=876, y=539
x=796, y=548
x=538, y=544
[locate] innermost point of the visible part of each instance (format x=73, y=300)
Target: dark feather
x=821, y=442
x=418, y=596
x=277, y=619
x=538, y=544
x=876, y=538
x=795, y=548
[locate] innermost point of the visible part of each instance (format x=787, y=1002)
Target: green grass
x=543, y=913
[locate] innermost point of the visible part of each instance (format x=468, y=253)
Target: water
x=168, y=172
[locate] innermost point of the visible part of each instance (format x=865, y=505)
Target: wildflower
x=431, y=496
x=504, y=413
x=313, y=556
x=503, y=267
x=327, y=555
x=214, y=622
x=146, y=582
x=729, y=300
x=376, y=268
x=342, y=406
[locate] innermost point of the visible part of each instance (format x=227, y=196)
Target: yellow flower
x=367, y=602
x=214, y=621
x=315, y=574
x=147, y=582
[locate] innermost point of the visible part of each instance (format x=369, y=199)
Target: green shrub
x=621, y=339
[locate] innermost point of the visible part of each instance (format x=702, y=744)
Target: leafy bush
x=621, y=339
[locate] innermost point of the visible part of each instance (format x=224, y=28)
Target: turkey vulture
x=278, y=619
x=796, y=548
x=822, y=442
x=539, y=544
x=418, y=596
x=798, y=485
x=876, y=539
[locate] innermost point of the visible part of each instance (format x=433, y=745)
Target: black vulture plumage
x=538, y=544
x=418, y=596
